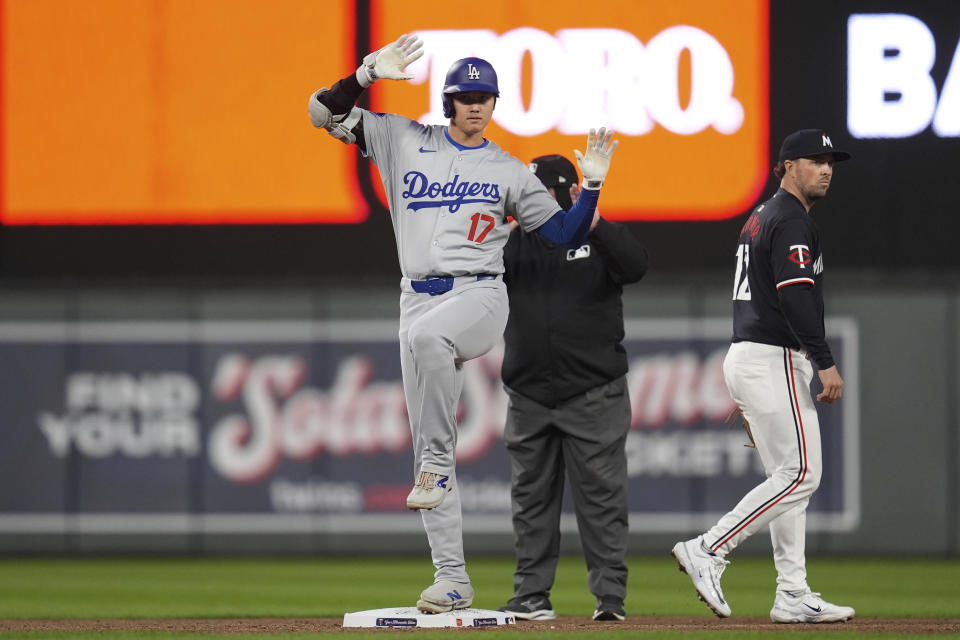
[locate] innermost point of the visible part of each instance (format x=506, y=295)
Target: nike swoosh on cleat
x=817, y=610
x=422, y=150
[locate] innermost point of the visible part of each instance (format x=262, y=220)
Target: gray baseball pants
x=437, y=335
x=584, y=437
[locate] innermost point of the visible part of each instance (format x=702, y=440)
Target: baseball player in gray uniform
x=451, y=193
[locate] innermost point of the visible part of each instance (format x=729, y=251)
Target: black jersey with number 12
x=779, y=246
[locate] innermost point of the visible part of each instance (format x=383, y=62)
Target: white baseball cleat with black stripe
x=807, y=606
x=704, y=569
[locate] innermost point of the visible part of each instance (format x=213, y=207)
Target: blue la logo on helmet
x=468, y=74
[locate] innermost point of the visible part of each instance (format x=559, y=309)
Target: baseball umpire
x=450, y=192
x=569, y=411
x=777, y=331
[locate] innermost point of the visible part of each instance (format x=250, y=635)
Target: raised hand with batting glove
x=334, y=111
x=595, y=163
x=390, y=61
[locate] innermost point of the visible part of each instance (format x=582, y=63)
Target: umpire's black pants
x=584, y=436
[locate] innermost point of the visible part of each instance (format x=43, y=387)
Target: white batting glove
x=596, y=162
x=390, y=61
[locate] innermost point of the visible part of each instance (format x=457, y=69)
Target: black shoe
x=535, y=607
x=610, y=608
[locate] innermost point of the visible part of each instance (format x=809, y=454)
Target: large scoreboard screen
x=184, y=112
x=133, y=127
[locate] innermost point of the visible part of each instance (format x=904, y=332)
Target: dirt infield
x=333, y=625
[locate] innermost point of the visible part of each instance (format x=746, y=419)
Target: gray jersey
x=450, y=204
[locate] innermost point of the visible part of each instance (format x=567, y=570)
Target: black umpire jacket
x=565, y=329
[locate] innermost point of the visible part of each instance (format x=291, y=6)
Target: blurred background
x=198, y=290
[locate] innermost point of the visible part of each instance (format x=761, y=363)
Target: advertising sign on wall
x=291, y=427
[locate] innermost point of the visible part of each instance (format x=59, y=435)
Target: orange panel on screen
x=177, y=111
x=685, y=85
x=173, y=111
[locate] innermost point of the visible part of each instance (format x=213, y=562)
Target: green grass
x=33, y=588
x=445, y=635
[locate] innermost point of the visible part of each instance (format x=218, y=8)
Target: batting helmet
x=468, y=74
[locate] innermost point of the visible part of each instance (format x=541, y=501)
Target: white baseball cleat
x=445, y=595
x=428, y=491
x=705, y=570
x=807, y=606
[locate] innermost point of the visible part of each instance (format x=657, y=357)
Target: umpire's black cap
x=806, y=143
x=554, y=171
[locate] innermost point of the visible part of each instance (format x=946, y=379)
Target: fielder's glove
x=596, y=162
x=390, y=61
x=736, y=411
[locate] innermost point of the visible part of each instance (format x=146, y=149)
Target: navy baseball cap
x=554, y=171
x=809, y=142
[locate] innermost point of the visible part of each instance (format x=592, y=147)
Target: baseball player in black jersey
x=777, y=331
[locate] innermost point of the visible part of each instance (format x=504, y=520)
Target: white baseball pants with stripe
x=771, y=385
x=437, y=335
